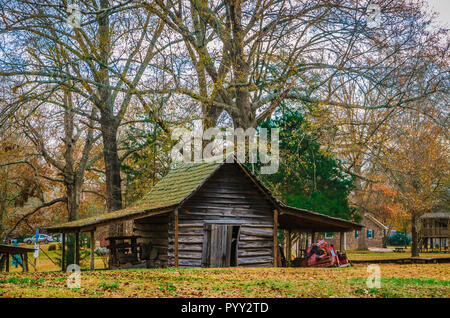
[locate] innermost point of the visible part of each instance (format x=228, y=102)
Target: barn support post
x=275, y=238
x=25, y=262
x=313, y=237
x=92, y=250
x=306, y=241
x=7, y=262
x=176, y=236
x=289, y=248
x=77, y=249
x=341, y=241
x=63, y=252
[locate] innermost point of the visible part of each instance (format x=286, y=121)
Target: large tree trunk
x=245, y=117
x=385, y=239
x=414, y=236
x=2, y=209
x=109, y=124
x=73, y=179
x=3, y=203
x=112, y=169
x=362, y=241
x=73, y=192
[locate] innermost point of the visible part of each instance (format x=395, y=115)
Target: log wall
x=227, y=198
x=154, y=232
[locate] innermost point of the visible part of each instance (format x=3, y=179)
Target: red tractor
x=322, y=254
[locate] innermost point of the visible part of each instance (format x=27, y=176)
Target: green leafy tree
x=307, y=177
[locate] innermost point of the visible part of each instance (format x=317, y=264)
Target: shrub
x=52, y=247
x=398, y=239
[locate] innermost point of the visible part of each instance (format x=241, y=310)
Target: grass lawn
x=370, y=255
x=412, y=280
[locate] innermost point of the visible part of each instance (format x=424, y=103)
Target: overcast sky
x=443, y=8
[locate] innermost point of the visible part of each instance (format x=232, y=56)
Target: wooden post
x=341, y=242
x=92, y=250
x=176, y=237
x=289, y=248
x=25, y=262
x=313, y=238
x=275, y=238
x=77, y=249
x=63, y=252
x=306, y=241
x=7, y=262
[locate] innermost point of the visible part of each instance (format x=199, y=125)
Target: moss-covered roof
x=175, y=187
x=178, y=184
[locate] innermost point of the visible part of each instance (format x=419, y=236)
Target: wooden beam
x=63, y=252
x=25, y=262
x=275, y=238
x=7, y=262
x=288, y=247
x=94, y=225
x=176, y=236
x=1, y=263
x=306, y=241
x=92, y=250
x=341, y=242
x=313, y=238
x=77, y=249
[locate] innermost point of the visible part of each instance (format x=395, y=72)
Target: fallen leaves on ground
x=412, y=280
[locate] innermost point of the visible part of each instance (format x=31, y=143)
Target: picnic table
x=399, y=250
x=14, y=251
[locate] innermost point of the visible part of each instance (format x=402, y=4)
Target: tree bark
x=112, y=169
x=362, y=242
x=3, y=203
x=108, y=122
x=414, y=236
x=385, y=239
x=405, y=238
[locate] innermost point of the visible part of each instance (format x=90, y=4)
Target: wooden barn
x=205, y=215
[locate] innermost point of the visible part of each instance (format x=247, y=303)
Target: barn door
x=219, y=245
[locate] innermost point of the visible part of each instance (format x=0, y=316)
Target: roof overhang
x=90, y=224
x=15, y=249
x=291, y=218
x=300, y=219
x=384, y=227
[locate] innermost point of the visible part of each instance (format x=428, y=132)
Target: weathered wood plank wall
x=154, y=232
x=227, y=198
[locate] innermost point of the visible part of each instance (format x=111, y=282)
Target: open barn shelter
x=17, y=253
x=204, y=215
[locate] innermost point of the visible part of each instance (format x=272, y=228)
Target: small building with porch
x=205, y=215
x=434, y=233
